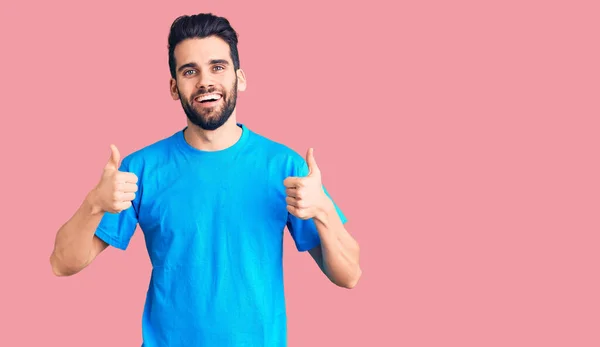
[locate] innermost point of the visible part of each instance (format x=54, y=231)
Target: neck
x=213, y=140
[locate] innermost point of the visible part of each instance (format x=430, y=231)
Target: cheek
x=185, y=88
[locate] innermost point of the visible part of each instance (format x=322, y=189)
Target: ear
x=241, y=76
x=173, y=89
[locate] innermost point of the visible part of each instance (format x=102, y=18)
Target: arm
x=76, y=246
x=338, y=253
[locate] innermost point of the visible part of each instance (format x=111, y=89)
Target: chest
x=213, y=206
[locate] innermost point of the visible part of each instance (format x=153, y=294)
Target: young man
x=213, y=200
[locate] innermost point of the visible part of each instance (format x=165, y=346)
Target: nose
x=205, y=81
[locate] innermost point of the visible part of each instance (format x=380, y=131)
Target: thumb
x=313, y=169
x=115, y=158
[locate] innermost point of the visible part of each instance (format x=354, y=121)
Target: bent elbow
x=351, y=281
x=355, y=280
x=58, y=269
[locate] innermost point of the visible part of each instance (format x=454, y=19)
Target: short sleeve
x=117, y=229
x=304, y=232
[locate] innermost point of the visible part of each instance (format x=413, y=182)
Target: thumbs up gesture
x=305, y=196
x=116, y=189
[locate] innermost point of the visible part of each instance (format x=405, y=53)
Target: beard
x=214, y=117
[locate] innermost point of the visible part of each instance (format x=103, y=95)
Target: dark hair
x=200, y=26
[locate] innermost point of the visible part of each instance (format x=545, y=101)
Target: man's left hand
x=305, y=196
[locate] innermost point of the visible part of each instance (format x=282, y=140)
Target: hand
x=305, y=196
x=116, y=189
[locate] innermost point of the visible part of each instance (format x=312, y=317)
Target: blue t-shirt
x=214, y=224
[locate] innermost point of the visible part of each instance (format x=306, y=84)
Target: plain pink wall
x=460, y=139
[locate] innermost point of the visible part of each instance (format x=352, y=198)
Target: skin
x=202, y=65
x=205, y=65
x=338, y=254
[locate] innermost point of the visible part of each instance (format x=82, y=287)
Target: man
x=213, y=200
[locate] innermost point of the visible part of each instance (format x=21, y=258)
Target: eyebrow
x=211, y=62
x=219, y=61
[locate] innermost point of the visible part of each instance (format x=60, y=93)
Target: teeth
x=209, y=97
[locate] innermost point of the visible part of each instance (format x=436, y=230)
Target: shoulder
x=149, y=154
x=278, y=152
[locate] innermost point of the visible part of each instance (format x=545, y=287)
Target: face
x=206, y=81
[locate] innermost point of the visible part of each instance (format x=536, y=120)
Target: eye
x=219, y=68
x=187, y=72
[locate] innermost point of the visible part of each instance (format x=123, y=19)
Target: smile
x=206, y=98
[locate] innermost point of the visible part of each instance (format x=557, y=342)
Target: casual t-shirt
x=213, y=223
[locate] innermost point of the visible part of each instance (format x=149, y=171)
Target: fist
x=116, y=190
x=305, y=196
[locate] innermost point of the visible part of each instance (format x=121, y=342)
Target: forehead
x=201, y=50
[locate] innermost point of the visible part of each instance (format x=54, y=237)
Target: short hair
x=200, y=26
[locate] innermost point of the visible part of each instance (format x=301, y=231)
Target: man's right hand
x=116, y=189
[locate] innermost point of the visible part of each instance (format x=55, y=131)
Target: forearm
x=74, y=240
x=339, y=249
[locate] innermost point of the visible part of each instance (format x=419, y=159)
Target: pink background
x=460, y=139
